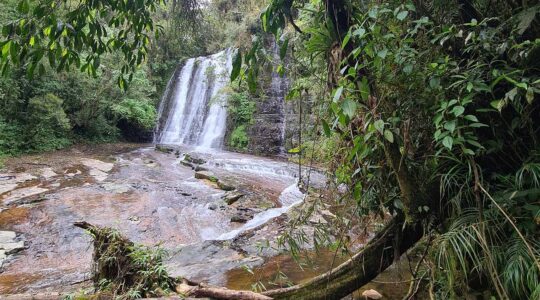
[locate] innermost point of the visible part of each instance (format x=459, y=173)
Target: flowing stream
x=290, y=197
x=148, y=195
x=197, y=116
x=151, y=197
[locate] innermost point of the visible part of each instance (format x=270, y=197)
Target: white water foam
x=290, y=197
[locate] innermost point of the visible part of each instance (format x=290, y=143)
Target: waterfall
x=192, y=111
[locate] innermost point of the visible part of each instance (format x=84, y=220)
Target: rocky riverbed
x=218, y=215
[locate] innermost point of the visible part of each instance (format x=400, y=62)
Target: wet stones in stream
x=164, y=149
x=9, y=245
x=223, y=184
x=194, y=160
x=207, y=176
x=231, y=197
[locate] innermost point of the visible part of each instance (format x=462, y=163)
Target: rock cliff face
x=276, y=121
x=267, y=133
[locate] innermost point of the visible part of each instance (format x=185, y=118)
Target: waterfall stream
x=196, y=113
x=192, y=112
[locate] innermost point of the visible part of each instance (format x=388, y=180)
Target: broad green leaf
x=237, y=65
x=408, y=69
x=437, y=134
x=452, y=102
x=525, y=19
x=475, y=143
x=471, y=118
x=450, y=125
x=379, y=125
x=448, y=141
x=280, y=70
x=468, y=151
x=326, y=128
x=283, y=49
x=359, y=32
x=498, y=104
x=512, y=94
x=337, y=94
x=458, y=110
x=349, y=108
x=470, y=86
x=47, y=31
x=402, y=15
x=346, y=41
x=438, y=118
x=5, y=49
x=477, y=125
x=252, y=81
x=389, y=136
x=364, y=89
x=382, y=54
x=522, y=85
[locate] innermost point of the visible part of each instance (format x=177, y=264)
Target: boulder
x=240, y=218
x=194, y=160
x=199, y=168
x=226, y=186
x=231, y=197
x=187, y=164
x=206, y=175
x=164, y=149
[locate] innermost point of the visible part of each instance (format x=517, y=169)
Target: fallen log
x=191, y=289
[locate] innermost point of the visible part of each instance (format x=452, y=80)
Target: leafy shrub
x=241, y=107
x=100, y=130
x=47, y=123
x=239, y=138
x=141, y=113
x=10, y=138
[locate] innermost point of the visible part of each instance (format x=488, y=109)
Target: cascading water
x=290, y=197
x=195, y=112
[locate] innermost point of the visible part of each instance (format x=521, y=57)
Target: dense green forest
x=62, y=105
x=425, y=111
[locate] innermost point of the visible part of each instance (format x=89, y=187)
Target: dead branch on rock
x=198, y=290
x=125, y=269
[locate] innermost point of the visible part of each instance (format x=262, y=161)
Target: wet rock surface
x=9, y=245
x=231, y=197
x=150, y=196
